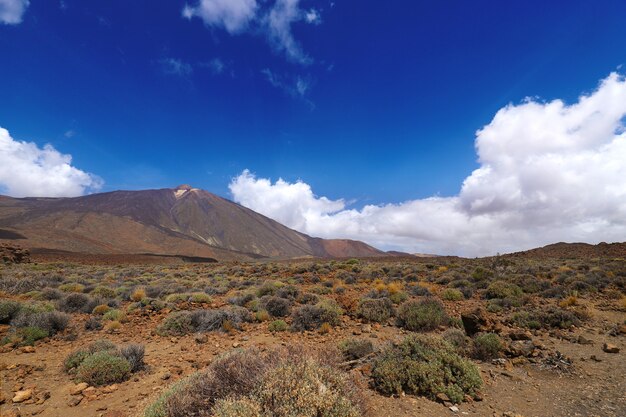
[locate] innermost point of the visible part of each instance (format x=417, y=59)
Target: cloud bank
x=273, y=20
x=11, y=11
x=548, y=172
x=29, y=171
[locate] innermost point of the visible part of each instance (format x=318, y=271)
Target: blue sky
x=370, y=102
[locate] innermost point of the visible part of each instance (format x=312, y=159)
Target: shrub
x=133, y=354
x=452, y=294
x=72, y=287
x=75, y=303
x=459, y=341
x=398, y=297
x=277, y=326
x=8, y=310
x=93, y=323
x=422, y=315
x=101, y=309
x=294, y=389
x=262, y=315
x=236, y=407
x=487, y=346
x=50, y=321
x=419, y=291
x=114, y=315
x=375, y=309
x=138, y=294
x=213, y=320
x=103, y=292
x=289, y=292
x=425, y=365
x=503, y=289
x=356, y=348
x=74, y=360
x=176, y=324
x=200, y=298
x=242, y=300
x=29, y=335
x=276, y=306
x=309, y=317
x=103, y=368
x=101, y=345
x=552, y=317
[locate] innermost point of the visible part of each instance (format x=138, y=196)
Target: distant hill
x=180, y=221
x=574, y=250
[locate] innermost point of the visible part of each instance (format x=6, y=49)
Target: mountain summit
x=170, y=221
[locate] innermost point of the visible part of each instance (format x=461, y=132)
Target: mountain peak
x=185, y=187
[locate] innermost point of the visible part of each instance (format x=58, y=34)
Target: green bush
x=8, y=310
x=452, y=294
x=278, y=326
x=503, y=289
x=308, y=317
x=487, y=346
x=200, y=298
x=175, y=324
x=31, y=334
x=425, y=365
x=422, y=315
x=356, y=348
x=375, y=309
x=236, y=407
x=103, y=368
x=74, y=360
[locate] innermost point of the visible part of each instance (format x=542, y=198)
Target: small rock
x=521, y=335
x=11, y=413
x=201, y=338
x=110, y=388
x=28, y=349
x=610, y=348
x=74, y=401
x=366, y=328
x=22, y=396
x=236, y=344
x=582, y=340
x=78, y=388
x=595, y=358
x=442, y=397
x=166, y=376
x=454, y=409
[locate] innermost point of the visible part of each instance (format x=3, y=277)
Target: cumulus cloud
x=548, y=172
x=29, y=171
x=273, y=20
x=232, y=15
x=11, y=11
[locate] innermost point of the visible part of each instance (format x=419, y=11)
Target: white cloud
x=272, y=20
x=29, y=171
x=232, y=15
x=11, y=11
x=549, y=172
x=279, y=20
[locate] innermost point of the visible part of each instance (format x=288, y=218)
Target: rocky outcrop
x=14, y=254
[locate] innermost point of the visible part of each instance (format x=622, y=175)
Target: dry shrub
x=283, y=383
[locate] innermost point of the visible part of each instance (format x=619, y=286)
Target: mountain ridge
x=181, y=221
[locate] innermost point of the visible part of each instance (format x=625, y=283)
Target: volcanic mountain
x=182, y=221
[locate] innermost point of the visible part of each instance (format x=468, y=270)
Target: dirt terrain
x=568, y=370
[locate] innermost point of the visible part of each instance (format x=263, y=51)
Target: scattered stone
x=201, y=338
x=78, y=388
x=477, y=321
x=520, y=335
x=442, y=397
x=610, y=348
x=166, y=376
x=22, y=396
x=366, y=328
x=27, y=349
x=582, y=340
x=236, y=344
x=454, y=409
x=110, y=388
x=11, y=413
x=595, y=358
x=74, y=401
x=521, y=348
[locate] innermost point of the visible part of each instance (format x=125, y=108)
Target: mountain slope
x=181, y=221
